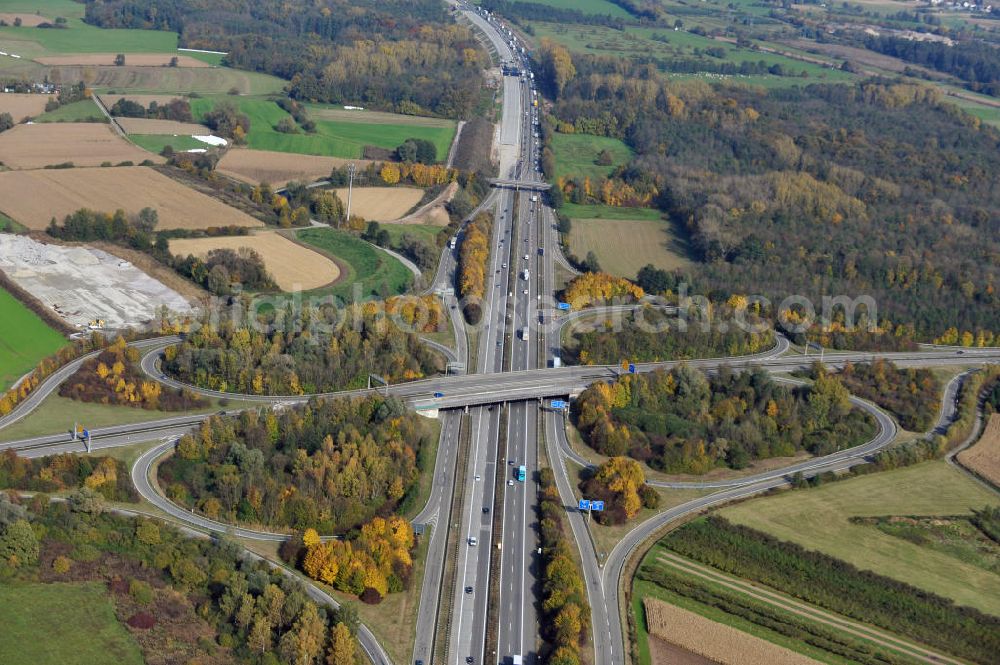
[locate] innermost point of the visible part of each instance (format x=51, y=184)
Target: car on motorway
x=472, y=541
x=468, y=589
x=504, y=266
x=527, y=257
x=525, y=292
x=478, y=477
x=510, y=483
x=438, y=394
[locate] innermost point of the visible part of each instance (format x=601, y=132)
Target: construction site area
x=83, y=285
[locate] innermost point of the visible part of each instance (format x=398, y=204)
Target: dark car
x=439, y=394
x=486, y=509
x=468, y=589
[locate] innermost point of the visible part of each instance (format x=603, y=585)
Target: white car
x=525, y=292
x=527, y=257
x=477, y=476
x=510, y=483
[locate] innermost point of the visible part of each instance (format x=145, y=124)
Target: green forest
x=421, y=63
x=912, y=395
x=835, y=585
x=682, y=421
x=329, y=465
x=181, y=599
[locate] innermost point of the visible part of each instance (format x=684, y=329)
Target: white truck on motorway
x=524, y=333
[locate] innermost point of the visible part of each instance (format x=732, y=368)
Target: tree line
x=838, y=586
x=330, y=465
x=181, y=599
x=682, y=421
x=222, y=272
x=653, y=335
x=473, y=263
x=565, y=623
x=65, y=472
x=175, y=109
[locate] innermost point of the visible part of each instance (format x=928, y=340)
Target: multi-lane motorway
x=511, y=370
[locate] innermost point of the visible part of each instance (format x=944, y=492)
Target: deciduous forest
x=408, y=57
x=320, y=351
x=682, y=421
x=330, y=465
x=880, y=188
x=182, y=599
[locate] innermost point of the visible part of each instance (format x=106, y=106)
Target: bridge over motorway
x=519, y=185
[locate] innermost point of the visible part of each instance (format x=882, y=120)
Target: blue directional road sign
x=597, y=505
x=631, y=368
x=86, y=433
x=564, y=306
x=559, y=404
x=584, y=504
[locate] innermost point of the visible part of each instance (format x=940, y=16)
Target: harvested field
x=131, y=59
x=715, y=641
x=34, y=197
x=376, y=117
x=145, y=100
x=434, y=212
x=623, y=246
x=293, y=266
x=662, y=652
x=382, y=204
x=984, y=457
x=82, y=143
x=27, y=20
x=278, y=168
x=81, y=284
x=152, y=126
x=166, y=80
x=23, y=105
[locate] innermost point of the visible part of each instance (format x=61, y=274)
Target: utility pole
x=350, y=189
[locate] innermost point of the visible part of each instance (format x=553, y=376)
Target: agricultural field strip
x=23, y=105
x=131, y=59
x=711, y=639
x=84, y=144
x=381, y=204
x=60, y=192
x=293, y=266
x=984, y=456
x=154, y=126
x=789, y=604
x=279, y=168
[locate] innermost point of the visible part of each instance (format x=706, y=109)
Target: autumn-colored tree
x=343, y=647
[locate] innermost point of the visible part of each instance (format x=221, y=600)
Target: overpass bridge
x=518, y=185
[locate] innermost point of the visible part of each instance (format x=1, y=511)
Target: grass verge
x=375, y=272
x=56, y=624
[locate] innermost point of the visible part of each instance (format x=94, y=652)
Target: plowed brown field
x=984, y=457
x=715, y=641
x=278, y=168
x=131, y=59
x=27, y=20
x=82, y=143
x=34, y=197
x=381, y=204
x=20, y=106
x=147, y=126
x=292, y=265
